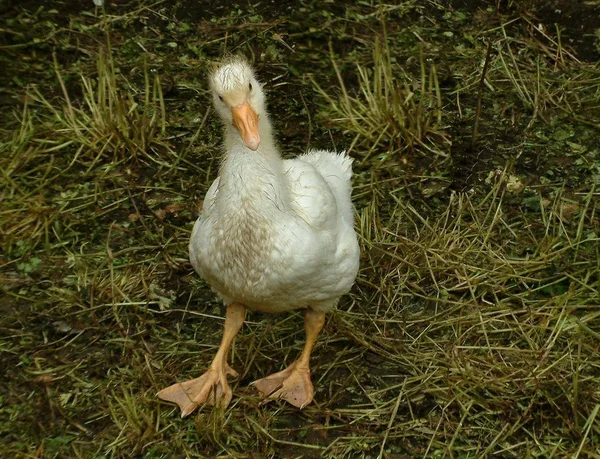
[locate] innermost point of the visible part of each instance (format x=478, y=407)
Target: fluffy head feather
x=233, y=83
x=233, y=73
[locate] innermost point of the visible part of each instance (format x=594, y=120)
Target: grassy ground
x=474, y=326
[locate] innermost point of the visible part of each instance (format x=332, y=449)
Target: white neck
x=252, y=180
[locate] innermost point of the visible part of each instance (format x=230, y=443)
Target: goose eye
x=250, y=86
x=221, y=98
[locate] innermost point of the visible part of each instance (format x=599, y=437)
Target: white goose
x=274, y=235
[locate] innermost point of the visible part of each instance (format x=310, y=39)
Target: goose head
x=239, y=99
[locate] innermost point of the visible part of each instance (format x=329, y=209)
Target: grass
x=499, y=329
x=473, y=329
x=387, y=116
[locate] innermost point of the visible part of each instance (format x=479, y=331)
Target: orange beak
x=245, y=121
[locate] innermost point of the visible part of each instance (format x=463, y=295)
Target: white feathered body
x=277, y=235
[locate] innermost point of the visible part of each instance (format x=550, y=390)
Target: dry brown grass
x=389, y=114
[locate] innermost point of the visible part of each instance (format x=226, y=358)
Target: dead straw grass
x=488, y=322
x=390, y=114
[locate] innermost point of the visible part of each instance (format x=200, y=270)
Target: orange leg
x=212, y=386
x=293, y=384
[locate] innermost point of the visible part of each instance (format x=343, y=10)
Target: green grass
x=389, y=116
x=473, y=329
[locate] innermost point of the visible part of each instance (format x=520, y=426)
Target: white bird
x=274, y=235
